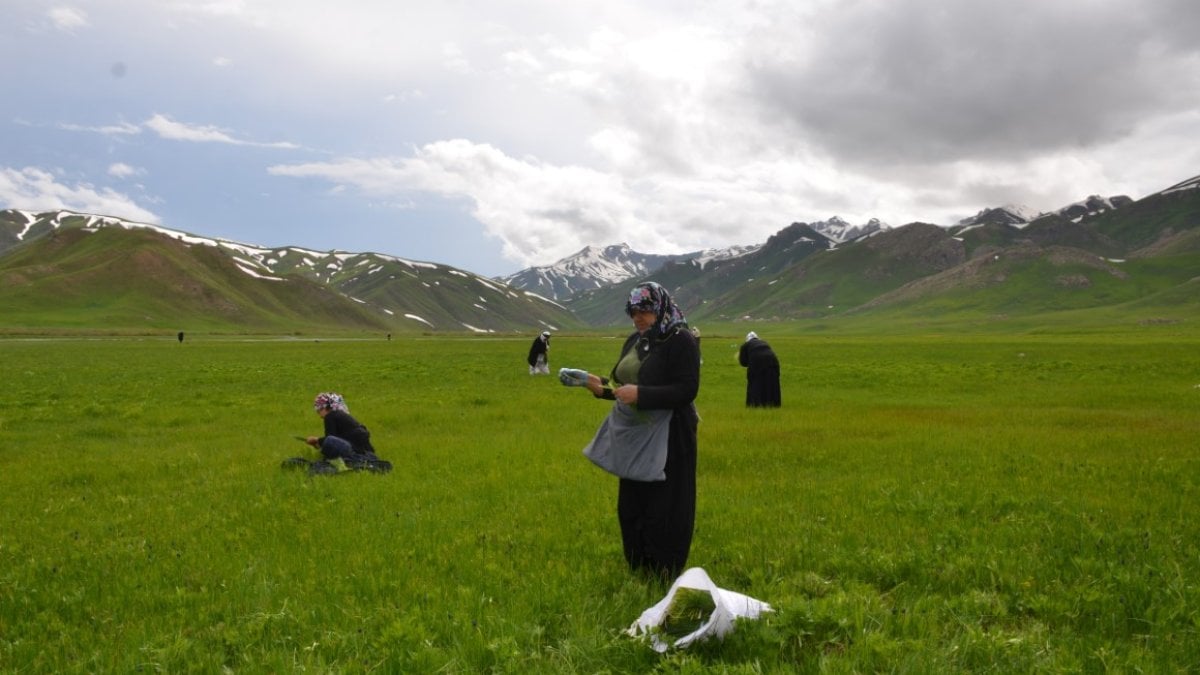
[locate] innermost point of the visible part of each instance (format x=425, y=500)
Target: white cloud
x=177, y=131
x=533, y=208
x=122, y=170
x=67, y=18
x=405, y=96
x=215, y=7
x=541, y=212
x=121, y=129
x=39, y=190
x=454, y=59
x=522, y=61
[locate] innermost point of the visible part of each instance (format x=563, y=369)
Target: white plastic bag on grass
x=694, y=609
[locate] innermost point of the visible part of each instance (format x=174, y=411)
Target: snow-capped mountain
x=595, y=267
x=840, y=231
x=1009, y=214
x=1018, y=216
x=1093, y=206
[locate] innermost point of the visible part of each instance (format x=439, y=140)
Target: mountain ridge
x=867, y=274
x=1060, y=259
x=594, y=267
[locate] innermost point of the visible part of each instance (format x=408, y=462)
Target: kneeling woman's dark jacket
x=339, y=423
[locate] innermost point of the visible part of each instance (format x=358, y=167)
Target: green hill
x=140, y=280
x=73, y=272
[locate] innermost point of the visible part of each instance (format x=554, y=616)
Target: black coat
x=339, y=423
x=657, y=518
x=541, y=345
x=762, y=374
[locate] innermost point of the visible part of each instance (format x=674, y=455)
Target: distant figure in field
x=180, y=336
x=539, y=355
x=696, y=334
x=762, y=372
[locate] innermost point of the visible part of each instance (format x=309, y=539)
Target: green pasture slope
x=922, y=503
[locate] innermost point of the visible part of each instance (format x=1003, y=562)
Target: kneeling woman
x=345, y=437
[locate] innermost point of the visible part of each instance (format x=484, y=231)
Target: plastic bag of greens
x=694, y=609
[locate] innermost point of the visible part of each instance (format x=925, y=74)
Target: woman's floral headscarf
x=330, y=401
x=649, y=295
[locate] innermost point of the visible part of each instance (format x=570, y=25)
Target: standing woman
x=762, y=373
x=539, y=354
x=658, y=369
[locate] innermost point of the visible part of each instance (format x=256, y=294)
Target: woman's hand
x=595, y=384
x=311, y=440
x=627, y=394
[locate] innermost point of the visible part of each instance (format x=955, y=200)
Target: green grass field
x=922, y=503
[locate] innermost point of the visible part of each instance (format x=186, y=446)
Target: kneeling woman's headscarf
x=650, y=296
x=330, y=401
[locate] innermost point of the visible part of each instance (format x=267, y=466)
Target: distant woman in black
x=762, y=373
x=539, y=355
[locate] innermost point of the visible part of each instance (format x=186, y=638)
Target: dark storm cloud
x=926, y=81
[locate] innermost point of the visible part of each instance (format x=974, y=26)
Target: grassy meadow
x=921, y=503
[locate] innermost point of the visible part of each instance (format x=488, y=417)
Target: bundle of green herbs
x=688, y=610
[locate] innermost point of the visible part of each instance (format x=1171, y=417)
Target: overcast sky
x=494, y=135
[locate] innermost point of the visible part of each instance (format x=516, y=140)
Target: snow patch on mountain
x=543, y=299
x=30, y=219
x=708, y=255
x=255, y=273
